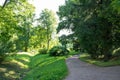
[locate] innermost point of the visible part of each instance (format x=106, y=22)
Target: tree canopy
x=17, y=31
x=93, y=24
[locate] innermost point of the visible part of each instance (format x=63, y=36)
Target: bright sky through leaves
x=49, y=4
x=42, y=4
x=1, y=2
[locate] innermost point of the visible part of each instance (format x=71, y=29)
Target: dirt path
x=79, y=70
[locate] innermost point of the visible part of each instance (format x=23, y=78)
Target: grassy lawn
x=38, y=67
x=86, y=58
x=43, y=67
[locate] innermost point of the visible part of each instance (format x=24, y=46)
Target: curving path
x=79, y=70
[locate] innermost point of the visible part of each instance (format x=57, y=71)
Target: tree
x=25, y=18
x=48, y=21
x=9, y=1
x=14, y=20
x=7, y=27
x=91, y=25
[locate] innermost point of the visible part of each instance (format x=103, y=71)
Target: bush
x=58, y=51
x=116, y=52
x=43, y=51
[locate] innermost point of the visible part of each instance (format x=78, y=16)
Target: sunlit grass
x=22, y=65
x=14, y=66
x=38, y=67
x=86, y=58
x=44, y=67
x=20, y=59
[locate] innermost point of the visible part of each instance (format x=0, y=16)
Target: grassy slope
x=39, y=67
x=14, y=67
x=86, y=58
x=43, y=67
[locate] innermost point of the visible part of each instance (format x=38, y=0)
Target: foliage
x=6, y=31
x=58, y=51
x=116, y=53
x=96, y=31
x=48, y=22
x=2, y=57
x=116, y=5
x=86, y=57
x=38, y=38
x=63, y=40
x=25, y=18
x=43, y=51
x=76, y=45
x=17, y=31
x=15, y=26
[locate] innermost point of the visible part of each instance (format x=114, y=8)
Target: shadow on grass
x=14, y=67
x=41, y=60
x=38, y=67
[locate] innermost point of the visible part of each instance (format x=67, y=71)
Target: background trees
x=95, y=25
x=17, y=31
x=25, y=18
x=91, y=22
x=48, y=21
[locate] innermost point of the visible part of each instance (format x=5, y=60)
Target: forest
x=30, y=44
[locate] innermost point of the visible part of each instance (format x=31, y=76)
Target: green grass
x=14, y=67
x=86, y=58
x=38, y=67
x=43, y=67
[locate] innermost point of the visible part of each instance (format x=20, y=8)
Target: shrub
x=43, y=51
x=58, y=51
x=116, y=52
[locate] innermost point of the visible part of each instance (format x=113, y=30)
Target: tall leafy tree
x=7, y=31
x=25, y=16
x=7, y=27
x=17, y=20
x=48, y=21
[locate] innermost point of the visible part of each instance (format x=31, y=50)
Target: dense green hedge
x=58, y=51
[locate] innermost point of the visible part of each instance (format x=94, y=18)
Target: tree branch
x=4, y=3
